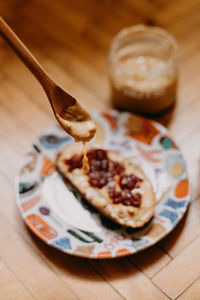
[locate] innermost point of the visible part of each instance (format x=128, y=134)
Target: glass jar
x=143, y=67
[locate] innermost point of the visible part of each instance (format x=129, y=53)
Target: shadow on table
x=149, y=261
x=164, y=117
x=83, y=268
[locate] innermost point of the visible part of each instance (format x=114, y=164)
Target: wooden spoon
x=69, y=113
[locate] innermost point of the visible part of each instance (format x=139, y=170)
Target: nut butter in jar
x=143, y=69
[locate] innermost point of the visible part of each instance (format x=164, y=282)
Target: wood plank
x=181, y=272
x=150, y=261
x=29, y=119
x=30, y=268
x=10, y=287
x=192, y=292
x=8, y=167
x=82, y=278
x=89, y=98
x=78, y=70
x=179, y=123
x=144, y=8
x=21, y=78
x=177, y=10
x=56, y=33
x=25, y=81
x=124, y=15
x=129, y=281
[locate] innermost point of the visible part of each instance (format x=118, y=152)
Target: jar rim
x=140, y=30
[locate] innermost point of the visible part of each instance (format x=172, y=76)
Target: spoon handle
x=26, y=56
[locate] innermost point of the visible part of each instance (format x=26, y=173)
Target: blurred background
x=71, y=39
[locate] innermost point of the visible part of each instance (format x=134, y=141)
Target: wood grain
x=71, y=40
x=11, y=285
x=192, y=292
x=186, y=269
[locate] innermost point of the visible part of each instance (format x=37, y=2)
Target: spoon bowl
x=72, y=117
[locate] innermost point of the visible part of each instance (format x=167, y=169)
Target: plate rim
x=104, y=256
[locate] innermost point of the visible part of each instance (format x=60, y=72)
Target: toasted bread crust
x=124, y=215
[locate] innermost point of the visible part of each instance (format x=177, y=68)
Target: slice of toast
x=126, y=213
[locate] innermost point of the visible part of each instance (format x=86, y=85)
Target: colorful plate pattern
x=59, y=216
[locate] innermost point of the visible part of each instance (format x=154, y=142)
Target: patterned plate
x=63, y=219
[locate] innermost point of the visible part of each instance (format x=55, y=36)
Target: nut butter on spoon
x=72, y=117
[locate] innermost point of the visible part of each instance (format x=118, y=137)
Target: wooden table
x=71, y=39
